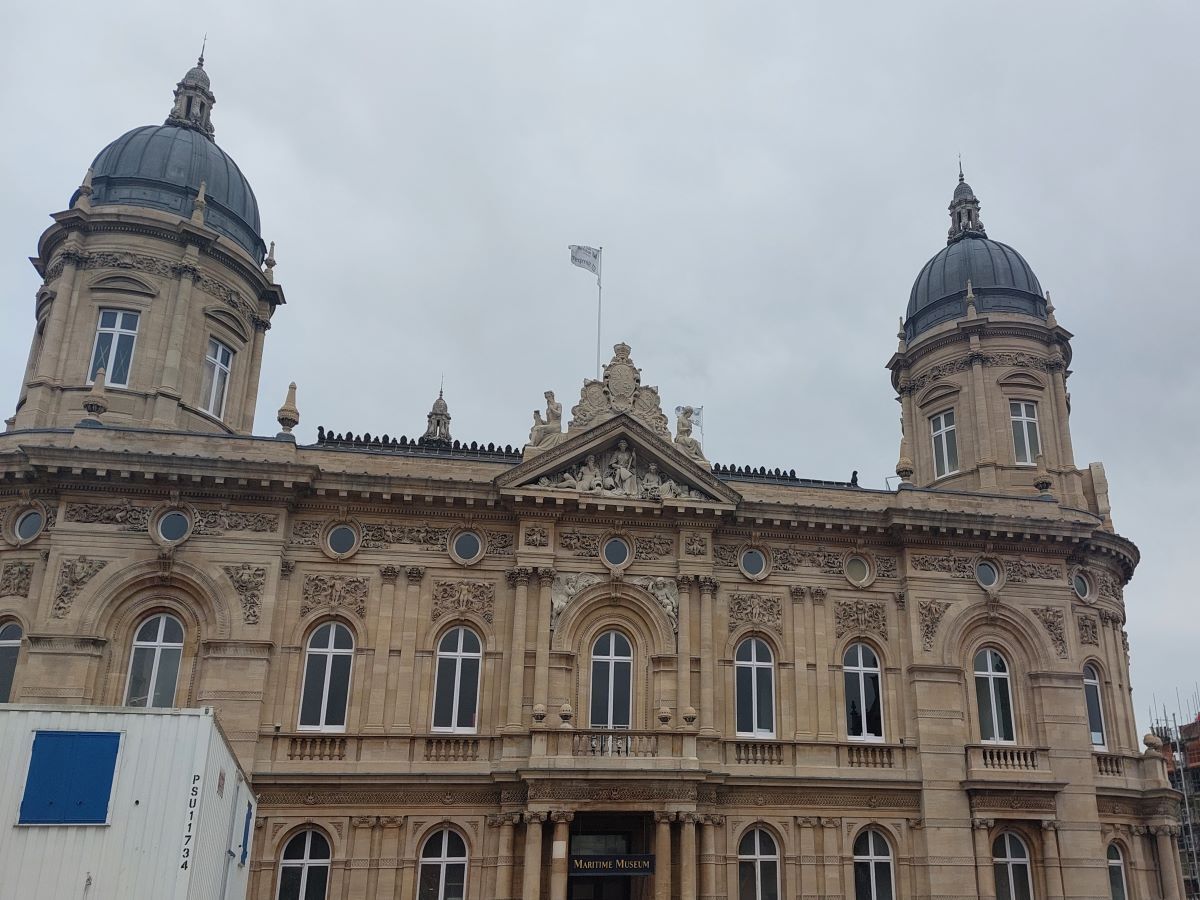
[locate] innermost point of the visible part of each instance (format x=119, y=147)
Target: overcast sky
x=766, y=180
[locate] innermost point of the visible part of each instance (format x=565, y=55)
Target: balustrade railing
x=1109, y=764
x=614, y=743
x=316, y=747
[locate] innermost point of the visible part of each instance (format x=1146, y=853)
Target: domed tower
x=155, y=275
x=981, y=374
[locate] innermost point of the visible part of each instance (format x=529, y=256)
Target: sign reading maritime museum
x=617, y=864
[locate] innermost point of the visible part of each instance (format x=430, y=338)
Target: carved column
x=558, y=853
x=1140, y=869
x=277, y=669
x=662, y=855
x=531, y=885
x=408, y=649
x=985, y=875
x=808, y=856
x=519, y=580
x=382, y=639
x=541, y=671
x=683, y=664
x=708, y=712
x=708, y=857
x=1168, y=863
x=1054, y=880
x=687, y=856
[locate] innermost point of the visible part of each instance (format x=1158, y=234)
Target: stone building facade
x=598, y=666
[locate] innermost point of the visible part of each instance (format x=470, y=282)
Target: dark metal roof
x=999, y=276
x=161, y=167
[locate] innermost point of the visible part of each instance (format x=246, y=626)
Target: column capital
x=798, y=592
x=532, y=818
x=1050, y=825
x=708, y=585
x=391, y=821
x=818, y=595
x=562, y=816
x=689, y=818
x=831, y=823
x=661, y=817
x=684, y=581
x=982, y=824
x=415, y=574
x=363, y=821
x=519, y=576
x=389, y=574
x=715, y=820
x=546, y=575
x=503, y=819
x=806, y=821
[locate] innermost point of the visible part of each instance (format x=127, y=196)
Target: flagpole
x=599, y=305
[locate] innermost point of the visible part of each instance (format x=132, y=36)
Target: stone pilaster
x=662, y=855
x=531, y=885
x=408, y=647
x=708, y=711
x=519, y=580
x=541, y=671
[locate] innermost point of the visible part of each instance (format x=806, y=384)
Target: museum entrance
x=611, y=857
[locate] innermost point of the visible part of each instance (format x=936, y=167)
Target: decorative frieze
x=580, y=543
x=886, y=566
x=1010, y=359
x=1019, y=570
x=248, y=581
x=451, y=598
x=1024, y=801
x=306, y=533
x=125, y=515
x=382, y=536
x=654, y=547
x=73, y=574
x=788, y=559
x=499, y=543
x=695, y=545
x=537, y=536
x=949, y=564
x=930, y=613
x=15, y=579
x=1089, y=630
x=726, y=555
x=1109, y=588
x=335, y=593
x=1054, y=621
x=219, y=521
x=860, y=615
x=758, y=610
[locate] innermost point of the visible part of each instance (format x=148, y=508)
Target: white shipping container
x=175, y=824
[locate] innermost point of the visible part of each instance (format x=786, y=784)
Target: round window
x=1082, y=588
x=342, y=539
x=174, y=526
x=857, y=569
x=467, y=546
x=754, y=562
x=29, y=525
x=616, y=552
x=986, y=574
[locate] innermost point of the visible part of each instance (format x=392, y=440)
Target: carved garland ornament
x=335, y=592
x=15, y=579
x=931, y=612
x=73, y=574
x=1054, y=622
x=760, y=610
x=248, y=581
x=453, y=597
x=860, y=615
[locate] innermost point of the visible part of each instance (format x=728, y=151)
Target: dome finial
x=203, y=46
x=193, y=99
x=964, y=211
x=437, y=432
x=961, y=179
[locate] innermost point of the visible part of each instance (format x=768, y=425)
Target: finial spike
x=961, y=179
x=203, y=47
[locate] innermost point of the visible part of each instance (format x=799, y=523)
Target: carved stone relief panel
x=618, y=472
x=382, y=536
x=860, y=615
x=565, y=587
x=453, y=597
x=537, y=536
x=931, y=613
x=15, y=579
x=1089, y=630
x=335, y=593
x=760, y=610
x=125, y=515
x=654, y=547
x=580, y=543
x=248, y=581
x=73, y=574
x=789, y=559
x=666, y=592
x=306, y=533
x=620, y=391
x=499, y=543
x=1019, y=570
x=1054, y=621
x=695, y=545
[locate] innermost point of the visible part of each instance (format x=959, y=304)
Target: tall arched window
x=1011, y=862
x=994, y=697
x=10, y=649
x=755, y=688
x=758, y=866
x=1095, y=712
x=326, y=691
x=612, y=681
x=443, y=867
x=872, y=867
x=1116, y=873
x=154, y=664
x=456, y=693
x=304, y=868
x=864, y=703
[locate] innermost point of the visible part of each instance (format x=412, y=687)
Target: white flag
x=586, y=258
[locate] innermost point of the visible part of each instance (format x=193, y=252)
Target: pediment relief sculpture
x=567, y=586
x=618, y=472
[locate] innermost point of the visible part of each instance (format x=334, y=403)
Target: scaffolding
x=1181, y=752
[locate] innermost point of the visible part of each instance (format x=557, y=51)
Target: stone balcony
x=1008, y=763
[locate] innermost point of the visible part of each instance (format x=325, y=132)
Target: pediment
x=593, y=464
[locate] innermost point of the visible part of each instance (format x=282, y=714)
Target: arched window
x=1011, y=862
x=864, y=703
x=154, y=664
x=326, y=690
x=443, y=867
x=304, y=868
x=10, y=648
x=1116, y=873
x=456, y=693
x=612, y=681
x=872, y=867
x=758, y=867
x=755, y=688
x=994, y=697
x=1095, y=713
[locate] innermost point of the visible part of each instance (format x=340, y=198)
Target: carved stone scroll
x=931, y=612
x=73, y=574
x=453, y=597
x=761, y=610
x=248, y=581
x=860, y=615
x=335, y=592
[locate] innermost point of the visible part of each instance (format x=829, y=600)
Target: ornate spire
x=437, y=432
x=193, y=100
x=964, y=212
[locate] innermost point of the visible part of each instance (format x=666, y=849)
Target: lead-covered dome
x=162, y=167
x=1000, y=278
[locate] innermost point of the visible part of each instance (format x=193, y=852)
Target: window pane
x=983, y=700
x=342, y=640
x=318, y=847
x=743, y=652
x=952, y=450
x=604, y=645
x=8, y=671
x=100, y=359
x=1095, y=721
x=874, y=706
x=172, y=632
x=600, y=694
x=939, y=456
x=108, y=318
x=470, y=641
x=129, y=321
x=339, y=690
x=168, y=673
x=1034, y=445
x=1003, y=890
x=621, y=645
x=206, y=385
x=770, y=880
x=854, y=706
x=317, y=877
x=454, y=845
x=121, y=360
x=434, y=846
x=140, y=667
x=621, y=685
x=218, y=407
x=1021, y=877
x=883, y=881
x=295, y=847
x=1116, y=883
x=320, y=637
x=468, y=692
x=746, y=886
x=456, y=879
x=289, y=883
x=314, y=687
x=862, y=881
x=862, y=846
x=431, y=877
x=1019, y=442
x=766, y=701
x=443, y=701
x=745, y=699
x=1004, y=710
